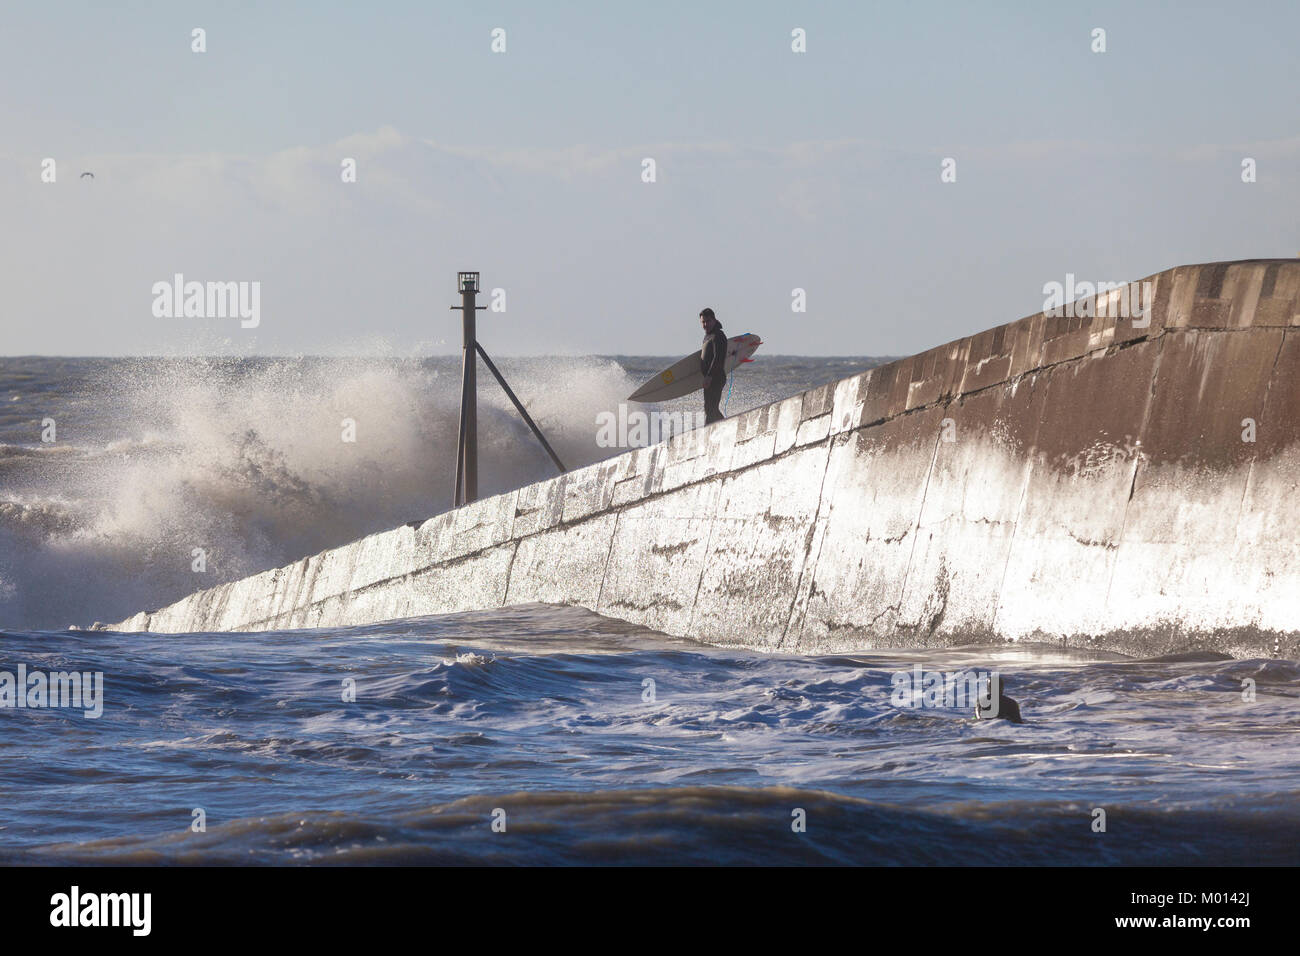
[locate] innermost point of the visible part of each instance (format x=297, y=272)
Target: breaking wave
x=246, y=460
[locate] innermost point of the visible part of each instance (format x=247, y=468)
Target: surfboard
x=685, y=377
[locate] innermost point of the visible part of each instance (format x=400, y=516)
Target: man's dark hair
x=708, y=314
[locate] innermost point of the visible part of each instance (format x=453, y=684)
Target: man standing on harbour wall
x=713, y=364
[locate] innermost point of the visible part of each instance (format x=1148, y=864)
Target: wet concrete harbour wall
x=1082, y=480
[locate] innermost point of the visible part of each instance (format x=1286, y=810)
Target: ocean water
x=530, y=734
x=539, y=717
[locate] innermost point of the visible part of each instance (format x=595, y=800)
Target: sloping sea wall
x=1114, y=482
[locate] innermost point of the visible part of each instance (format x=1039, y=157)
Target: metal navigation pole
x=467, y=443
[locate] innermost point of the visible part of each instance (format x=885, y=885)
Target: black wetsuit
x=713, y=363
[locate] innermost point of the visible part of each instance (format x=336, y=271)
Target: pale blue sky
x=775, y=170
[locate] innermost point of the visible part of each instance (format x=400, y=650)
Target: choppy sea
x=536, y=734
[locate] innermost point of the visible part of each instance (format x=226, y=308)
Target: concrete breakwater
x=1092, y=480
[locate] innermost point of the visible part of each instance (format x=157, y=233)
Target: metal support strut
x=522, y=411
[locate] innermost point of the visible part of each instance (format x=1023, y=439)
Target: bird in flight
x=84, y=175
